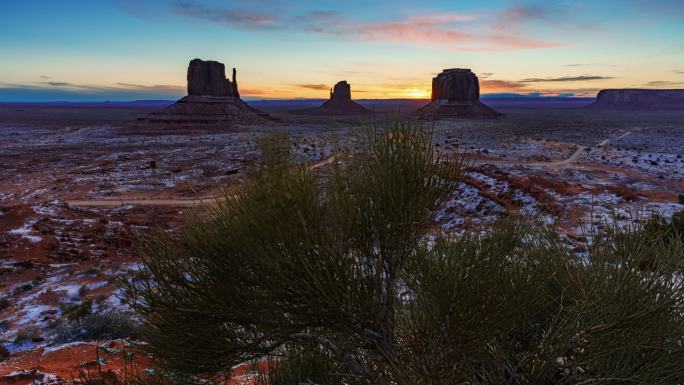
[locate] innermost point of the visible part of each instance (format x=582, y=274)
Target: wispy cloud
x=567, y=79
x=59, y=84
x=664, y=83
x=590, y=65
x=153, y=88
x=502, y=85
x=527, y=86
x=96, y=88
x=246, y=19
x=671, y=8
x=447, y=31
x=450, y=31
x=320, y=87
x=59, y=90
x=518, y=14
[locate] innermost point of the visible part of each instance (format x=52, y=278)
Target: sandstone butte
x=456, y=94
x=212, y=100
x=340, y=103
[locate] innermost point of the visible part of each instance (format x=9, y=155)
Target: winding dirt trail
x=178, y=202
x=560, y=164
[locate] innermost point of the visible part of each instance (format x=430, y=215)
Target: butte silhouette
x=340, y=103
x=212, y=100
x=456, y=94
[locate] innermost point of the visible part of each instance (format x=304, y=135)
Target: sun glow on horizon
x=417, y=93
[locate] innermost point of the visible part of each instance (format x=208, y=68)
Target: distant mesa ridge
x=640, y=99
x=456, y=94
x=212, y=100
x=340, y=103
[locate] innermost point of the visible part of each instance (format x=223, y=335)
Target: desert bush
x=4, y=353
x=27, y=334
x=76, y=311
x=341, y=279
x=4, y=303
x=81, y=323
x=678, y=222
x=304, y=365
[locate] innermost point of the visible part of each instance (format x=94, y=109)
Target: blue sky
x=139, y=49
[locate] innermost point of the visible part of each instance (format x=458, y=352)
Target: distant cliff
x=640, y=99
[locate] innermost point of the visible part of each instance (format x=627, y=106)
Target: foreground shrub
x=339, y=281
x=80, y=323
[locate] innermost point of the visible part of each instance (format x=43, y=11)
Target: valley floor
x=74, y=193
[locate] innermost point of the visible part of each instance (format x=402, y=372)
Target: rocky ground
x=78, y=187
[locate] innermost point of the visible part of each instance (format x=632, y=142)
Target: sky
x=95, y=50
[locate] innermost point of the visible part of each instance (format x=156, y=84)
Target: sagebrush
x=344, y=279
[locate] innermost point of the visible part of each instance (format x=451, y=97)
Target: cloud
x=266, y=93
x=320, y=87
x=318, y=16
x=66, y=91
x=153, y=88
x=226, y=16
x=489, y=86
x=519, y=14
x=678, y=72
x=446, y=31
x=117, y=87
x=566, y=79
x=501, y=85
x=664, y=83
x=449, y=31
x=58, y=84
x=671, y=8
x=590, y=64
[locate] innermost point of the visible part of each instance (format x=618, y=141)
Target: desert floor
x=78, y=184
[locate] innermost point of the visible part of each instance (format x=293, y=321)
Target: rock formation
x=208, y=78
x=456, y=93
x=341, y=91
x=640, y=99
x=212, y=100
x=340, y=103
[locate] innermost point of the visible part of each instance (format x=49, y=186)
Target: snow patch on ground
x=26, y=230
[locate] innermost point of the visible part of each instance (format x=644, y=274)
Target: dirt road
x=559, y=164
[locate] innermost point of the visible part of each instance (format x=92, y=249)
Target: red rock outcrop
x=341, y=91
x=340, y=103
x=208, y=78
x=212, y=100
x=456, y=94
x=640, y=99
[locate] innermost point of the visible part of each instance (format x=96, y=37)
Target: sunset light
x=415, y=93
